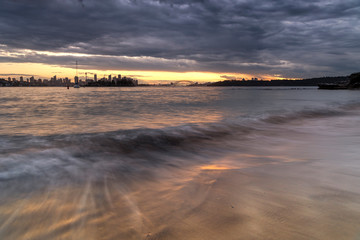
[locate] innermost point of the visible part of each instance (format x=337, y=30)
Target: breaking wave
x=134, y=151
x=335, y=111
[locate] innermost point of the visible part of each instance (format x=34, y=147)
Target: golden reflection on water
x=248, y=160
x=46, y=111
x=215, y=167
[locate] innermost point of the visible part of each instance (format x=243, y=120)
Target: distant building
x=76, y=80
x=87, y=81
x=95, y=77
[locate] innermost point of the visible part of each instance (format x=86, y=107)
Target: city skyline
x=178, y=40
x=110, y=80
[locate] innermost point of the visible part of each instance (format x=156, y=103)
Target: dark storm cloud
x=82, y=3
x=292, y=38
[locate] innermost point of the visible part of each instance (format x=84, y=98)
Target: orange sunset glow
x=40, y=70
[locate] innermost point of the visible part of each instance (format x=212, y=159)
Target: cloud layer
x=288, y=37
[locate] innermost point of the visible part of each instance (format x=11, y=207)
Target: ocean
x=179, y=163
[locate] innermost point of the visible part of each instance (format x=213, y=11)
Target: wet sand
x=287, y=201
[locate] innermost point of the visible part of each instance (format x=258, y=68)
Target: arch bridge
x=183, y=83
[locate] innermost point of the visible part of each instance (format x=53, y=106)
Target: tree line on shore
x=303, y=82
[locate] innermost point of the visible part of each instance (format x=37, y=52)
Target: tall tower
x=76, y=77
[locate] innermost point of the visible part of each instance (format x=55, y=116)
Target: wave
x=166, y=139
x=9, y=99
x=134, y=151
x=130, y=141
x=326, y=112
x=302, y=115
x=60, y=158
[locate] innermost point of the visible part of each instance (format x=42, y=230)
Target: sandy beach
x=302, y=185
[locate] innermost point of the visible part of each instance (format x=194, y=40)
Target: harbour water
x=179, y=163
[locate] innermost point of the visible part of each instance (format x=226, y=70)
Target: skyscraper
x=76, y=77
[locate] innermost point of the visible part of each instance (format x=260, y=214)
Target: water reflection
x=43, y=111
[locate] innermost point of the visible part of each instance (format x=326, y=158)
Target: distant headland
x=353, y=82
x=341, y=82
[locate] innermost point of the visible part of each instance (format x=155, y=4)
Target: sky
x=205, y=40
